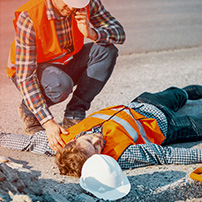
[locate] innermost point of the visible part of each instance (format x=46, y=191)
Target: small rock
x=54, y=196
x=20, y=185
x=19, y=197
x=10, y=173
x=2, y=177
x=3, y=159
x=84, y=198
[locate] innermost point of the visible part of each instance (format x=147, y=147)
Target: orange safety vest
x=47, y=45
x=121, y=127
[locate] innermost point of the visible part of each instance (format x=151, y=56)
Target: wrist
x=92, y=34
x=48, y=123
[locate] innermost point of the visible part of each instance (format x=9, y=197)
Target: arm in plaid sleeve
x=26, y=65
x=108, y=29
x=151, y=154
x=37, y=143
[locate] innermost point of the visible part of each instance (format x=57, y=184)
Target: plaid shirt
x=108, y=30
x=151, y=111
x=134, y=156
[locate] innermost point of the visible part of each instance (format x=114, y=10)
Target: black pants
x=89, y=70
x=181, y=128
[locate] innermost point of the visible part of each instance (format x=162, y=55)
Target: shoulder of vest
x=36, y=10
x=31, y=4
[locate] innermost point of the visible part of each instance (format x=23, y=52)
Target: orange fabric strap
x=196, y=174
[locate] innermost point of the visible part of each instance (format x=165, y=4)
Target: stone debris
x=51, y=194
x=2, y=177
x=16, y=183
x=19, y=197
x=22, y=184
x=3, y=159
x=84, y=198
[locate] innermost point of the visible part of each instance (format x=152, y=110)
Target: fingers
x=55, y=140
x=53, y=132
x=81, y=19
x=80, y=15
x=60, y=141
x=53, y=144
x=56, y=143
x=63, y=131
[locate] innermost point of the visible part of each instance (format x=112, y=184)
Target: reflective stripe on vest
x=130, y=130
x=140, y=127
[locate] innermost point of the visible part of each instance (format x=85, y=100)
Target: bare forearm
x=92, y=35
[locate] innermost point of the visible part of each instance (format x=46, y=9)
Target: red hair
x=70, y=160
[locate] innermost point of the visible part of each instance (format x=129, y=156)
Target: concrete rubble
x=18, y=181
x=18, y=184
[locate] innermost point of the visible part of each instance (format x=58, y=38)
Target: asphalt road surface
x=153, y=25
x=157, y=25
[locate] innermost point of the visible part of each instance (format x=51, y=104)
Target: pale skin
x=90, y=144
x=53, y=129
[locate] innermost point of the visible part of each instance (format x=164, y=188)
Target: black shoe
x=194, y=92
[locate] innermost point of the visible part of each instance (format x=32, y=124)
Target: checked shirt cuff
x=101, y=36
x=43, y=115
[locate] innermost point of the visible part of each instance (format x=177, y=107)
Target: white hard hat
x=76, y=3
x=102, y=176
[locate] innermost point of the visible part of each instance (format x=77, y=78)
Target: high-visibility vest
x=121, y=127
x=47, y=45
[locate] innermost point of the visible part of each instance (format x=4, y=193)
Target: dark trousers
x=89, y=70
x=181, y=128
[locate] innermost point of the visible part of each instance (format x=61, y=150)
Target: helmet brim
x=108, y=193
x=77, y=3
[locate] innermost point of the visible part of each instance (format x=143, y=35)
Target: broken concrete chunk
x=11, y=174
x=84, y=198
x=2, y=177
x=19, y=197
x=3, y=159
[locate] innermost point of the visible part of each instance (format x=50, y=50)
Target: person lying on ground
x=132, y=134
